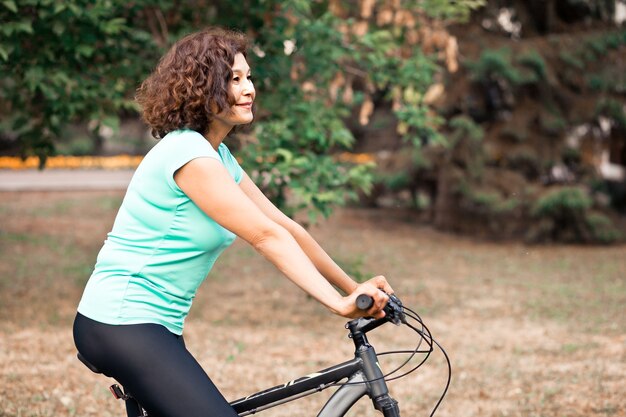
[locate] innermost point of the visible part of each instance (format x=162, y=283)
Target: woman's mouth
x=247, y=105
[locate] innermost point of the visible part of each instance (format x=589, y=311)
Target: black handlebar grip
x=364, y=302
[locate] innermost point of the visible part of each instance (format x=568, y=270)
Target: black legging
x=153, y=365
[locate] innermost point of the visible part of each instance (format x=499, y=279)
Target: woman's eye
x=236, y=79
x=250, y=78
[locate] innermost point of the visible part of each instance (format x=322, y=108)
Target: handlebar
x=364, y=302
x=393, y=310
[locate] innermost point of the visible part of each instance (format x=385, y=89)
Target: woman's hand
x=378, y=288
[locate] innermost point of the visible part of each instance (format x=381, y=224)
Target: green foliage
x=571, y=60
x=396, y=181
x=290, y=159
x=79, y=60
x=498, y=64
x=486, y=200
x=592, y=48
x=561, y=203
x=597, y=83
x=614, y=110
x=602, y=228
x=525, y=161
x=552, y=123
x=68, y=61
x=78, y=146
x=565, y=214
x=355, y=268
x=601, y=44
x=495, y=64
x=465, y=127
x=421, y=125
x=407, y=78
x=607, y=79
x=466, y=141
x=598, y=46
x=535, y=66
x=458, y=10
x=419, y=160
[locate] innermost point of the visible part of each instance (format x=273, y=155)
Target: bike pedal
x=118, y=393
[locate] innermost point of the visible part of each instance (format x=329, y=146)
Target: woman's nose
x=248, y=88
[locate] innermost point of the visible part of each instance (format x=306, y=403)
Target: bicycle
x=363, y=373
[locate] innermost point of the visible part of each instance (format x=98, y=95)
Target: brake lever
x=394, y=311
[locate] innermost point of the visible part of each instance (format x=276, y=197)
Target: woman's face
x=243, y=93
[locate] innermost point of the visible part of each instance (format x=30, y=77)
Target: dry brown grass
x=531, y=331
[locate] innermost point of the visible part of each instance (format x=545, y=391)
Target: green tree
x=317, y=66
x=67, y=61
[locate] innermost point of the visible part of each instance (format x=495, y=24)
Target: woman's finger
x=381, y=282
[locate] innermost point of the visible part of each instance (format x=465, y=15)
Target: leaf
x=113, y=122
x=85, y=50
x=33, y=77
x=58, y=28
x=76, y=11
x=59, y=7
x=4, y=54
x=286, y=154
x=24, y=26
x=10, y=4
x=114, y=26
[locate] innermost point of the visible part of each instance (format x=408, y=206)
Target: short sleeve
x=231, y=163
x=182, y=147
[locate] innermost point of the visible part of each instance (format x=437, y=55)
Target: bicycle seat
x=89, y=365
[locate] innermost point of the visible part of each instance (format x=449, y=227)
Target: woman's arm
x=209, y=185
x=324, y=263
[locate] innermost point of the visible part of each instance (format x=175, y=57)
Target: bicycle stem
x=371, y=368
x=361, y=326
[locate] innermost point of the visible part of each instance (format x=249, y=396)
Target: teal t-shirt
x=161, y=246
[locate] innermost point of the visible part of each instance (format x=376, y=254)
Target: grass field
x=530, y=330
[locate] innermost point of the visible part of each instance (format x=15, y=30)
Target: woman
x=187, y=201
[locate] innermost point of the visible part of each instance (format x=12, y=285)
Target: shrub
x=487, y=200
x=533, y=61
x=602, y=228
x=571, y=60
x=602, y=43
x=465, y=127
x=552, y=123
x=614, y=110
x=562, y=203
x=525, y=161
x=596, y=82
x=564, y=214
x=466, y=144
x=396, y=181
x=494, y=64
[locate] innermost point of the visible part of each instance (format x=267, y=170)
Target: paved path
x=61, y=179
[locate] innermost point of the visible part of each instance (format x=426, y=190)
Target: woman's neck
x=216, y=134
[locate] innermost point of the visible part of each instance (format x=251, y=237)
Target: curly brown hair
x=191, y=82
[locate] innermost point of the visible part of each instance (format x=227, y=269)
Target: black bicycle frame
x=364, y=376
x=298, y=388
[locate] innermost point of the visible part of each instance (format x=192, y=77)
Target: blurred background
x=473, y=151
x=500, y=118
